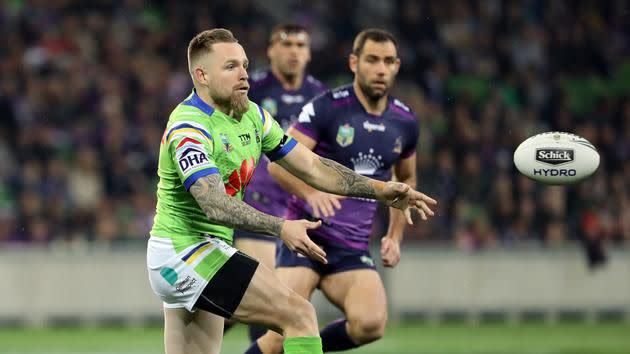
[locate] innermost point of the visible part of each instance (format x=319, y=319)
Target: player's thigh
x=268, y=301
x=198, y=332
x=358, y=293
x=264, y=251
x=302, y=280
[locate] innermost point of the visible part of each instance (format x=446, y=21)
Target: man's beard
x=288, y=75
x=237, y=103
x=371, y=94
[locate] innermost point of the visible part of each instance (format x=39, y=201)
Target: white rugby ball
x=556, y=158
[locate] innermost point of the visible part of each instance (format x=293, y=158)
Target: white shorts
x=178, y=278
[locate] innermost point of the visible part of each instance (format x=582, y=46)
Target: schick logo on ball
x=554, y=156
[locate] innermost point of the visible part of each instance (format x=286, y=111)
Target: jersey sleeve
x=190, y=147
x=413, y=134
x=275, y=144
x=313, y=118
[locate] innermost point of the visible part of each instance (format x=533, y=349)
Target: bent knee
x=271, y=342
x=299, y=316
x=367, y=329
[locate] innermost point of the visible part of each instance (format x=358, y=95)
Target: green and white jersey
x=199, y=141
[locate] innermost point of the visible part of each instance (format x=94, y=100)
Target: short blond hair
x=202, y=43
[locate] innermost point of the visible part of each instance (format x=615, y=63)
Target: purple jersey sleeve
x=411, y=143
x=314, y=118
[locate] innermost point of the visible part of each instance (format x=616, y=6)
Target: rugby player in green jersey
x=210, y=147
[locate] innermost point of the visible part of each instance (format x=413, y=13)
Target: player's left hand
x=390, y=251
x=402, y=196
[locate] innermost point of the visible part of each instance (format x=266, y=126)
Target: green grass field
x=405, y=339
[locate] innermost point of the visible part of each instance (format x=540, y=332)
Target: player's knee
x=301, y=315
x=368, y=328
x=271, y=342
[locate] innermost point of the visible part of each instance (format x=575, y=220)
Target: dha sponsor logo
x=550, y=172
x=192, y=158
x=554, y=157
x=371, y=127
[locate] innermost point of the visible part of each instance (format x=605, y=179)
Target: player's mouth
x=242, y=89
x=379, y=84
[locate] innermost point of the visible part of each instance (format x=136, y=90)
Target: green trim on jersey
x=198, y=141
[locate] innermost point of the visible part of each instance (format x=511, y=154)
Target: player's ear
x=200, y=76
x=308, y=55
x=352, y=62
x=269, y=51
x=397, y=66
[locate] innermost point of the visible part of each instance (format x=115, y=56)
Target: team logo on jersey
x=239, y=179
x=270, y=105
x=367, y=164
x=398, y=145
x=191, y=154
x=345, y=135
x=227, y=146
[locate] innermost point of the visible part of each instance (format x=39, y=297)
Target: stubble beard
x=372, y=95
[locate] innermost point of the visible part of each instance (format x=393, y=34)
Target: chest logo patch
x=227, y=146
x=345, y=135
x=367, y=164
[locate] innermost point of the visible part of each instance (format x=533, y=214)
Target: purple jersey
x=368, y=144
x=263, y=193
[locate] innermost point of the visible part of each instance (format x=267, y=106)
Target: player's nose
x=243, y=74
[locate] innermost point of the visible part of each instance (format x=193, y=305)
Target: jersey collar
x=197, y=102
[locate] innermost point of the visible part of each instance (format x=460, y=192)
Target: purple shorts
x=340, y=259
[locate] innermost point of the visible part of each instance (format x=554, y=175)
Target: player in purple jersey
x=363, y=128
x=282, y=90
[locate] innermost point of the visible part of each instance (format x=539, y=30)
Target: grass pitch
x=402, y=339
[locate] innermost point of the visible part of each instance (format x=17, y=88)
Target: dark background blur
x=86, y=90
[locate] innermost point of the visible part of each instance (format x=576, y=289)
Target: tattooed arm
x=220, y=208
x=332, y=177
x=327, y=175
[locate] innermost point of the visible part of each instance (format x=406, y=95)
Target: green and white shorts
x=179, y=278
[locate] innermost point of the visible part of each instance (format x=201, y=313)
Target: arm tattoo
x=220, y=208
x=348, y=182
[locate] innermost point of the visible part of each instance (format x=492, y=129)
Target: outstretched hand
x=402, y=196
x=294, y=236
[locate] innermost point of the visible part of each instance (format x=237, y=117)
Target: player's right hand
x=402, y=196
x=323, y=204
x=295, y=237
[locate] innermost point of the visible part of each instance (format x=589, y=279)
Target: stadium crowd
x=86, y=89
